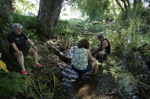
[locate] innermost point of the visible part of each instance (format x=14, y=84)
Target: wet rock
x=102, y=97
x=134, y=97
x=148, y=64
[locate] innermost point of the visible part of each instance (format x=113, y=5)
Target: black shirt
x=19, y=40
x=107, y=48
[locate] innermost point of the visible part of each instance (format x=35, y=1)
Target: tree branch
x=119, y=5
x=56, y=51
x=128, y=3
x=138, y=3
x=125, y=5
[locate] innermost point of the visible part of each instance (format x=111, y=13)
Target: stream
x=102, y=86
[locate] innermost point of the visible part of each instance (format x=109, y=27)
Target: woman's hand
x=62, y=65
x=19, y=53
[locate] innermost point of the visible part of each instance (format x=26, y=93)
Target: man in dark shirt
x=19, y=48
x=103, y=50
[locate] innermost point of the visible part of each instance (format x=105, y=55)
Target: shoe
x=39, y=65
x=24, y=72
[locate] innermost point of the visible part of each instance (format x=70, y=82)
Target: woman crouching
x=82, y=54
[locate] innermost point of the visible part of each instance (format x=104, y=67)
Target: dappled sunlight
x=85, y=92
x=70, y=12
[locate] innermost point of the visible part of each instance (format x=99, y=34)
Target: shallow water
x=101, y=86
x=87, y=87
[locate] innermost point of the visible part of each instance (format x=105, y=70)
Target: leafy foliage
x=127, y=35
x=23, y=7
x=69, y=31
x=11, y=84
x=69, y=27
x=93, y=8
x=127, y=82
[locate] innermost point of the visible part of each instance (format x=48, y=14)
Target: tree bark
x=48, y=16
x=5, y=8
x=5, y=22
x=135, y=2
x=58, y=12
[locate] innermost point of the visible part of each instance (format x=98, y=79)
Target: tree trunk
x=5, y=8
x=135, y=1
x=48, y=16
x=5, y=22
x=58, y=12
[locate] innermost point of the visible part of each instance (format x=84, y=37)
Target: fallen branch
x=61, y=55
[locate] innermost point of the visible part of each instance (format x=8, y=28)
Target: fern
x=11, y=84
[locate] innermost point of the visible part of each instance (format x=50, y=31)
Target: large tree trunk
x=5, y=22
x=5, y=8
x=135, y=2
x=48, y=16
x=58, y=11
